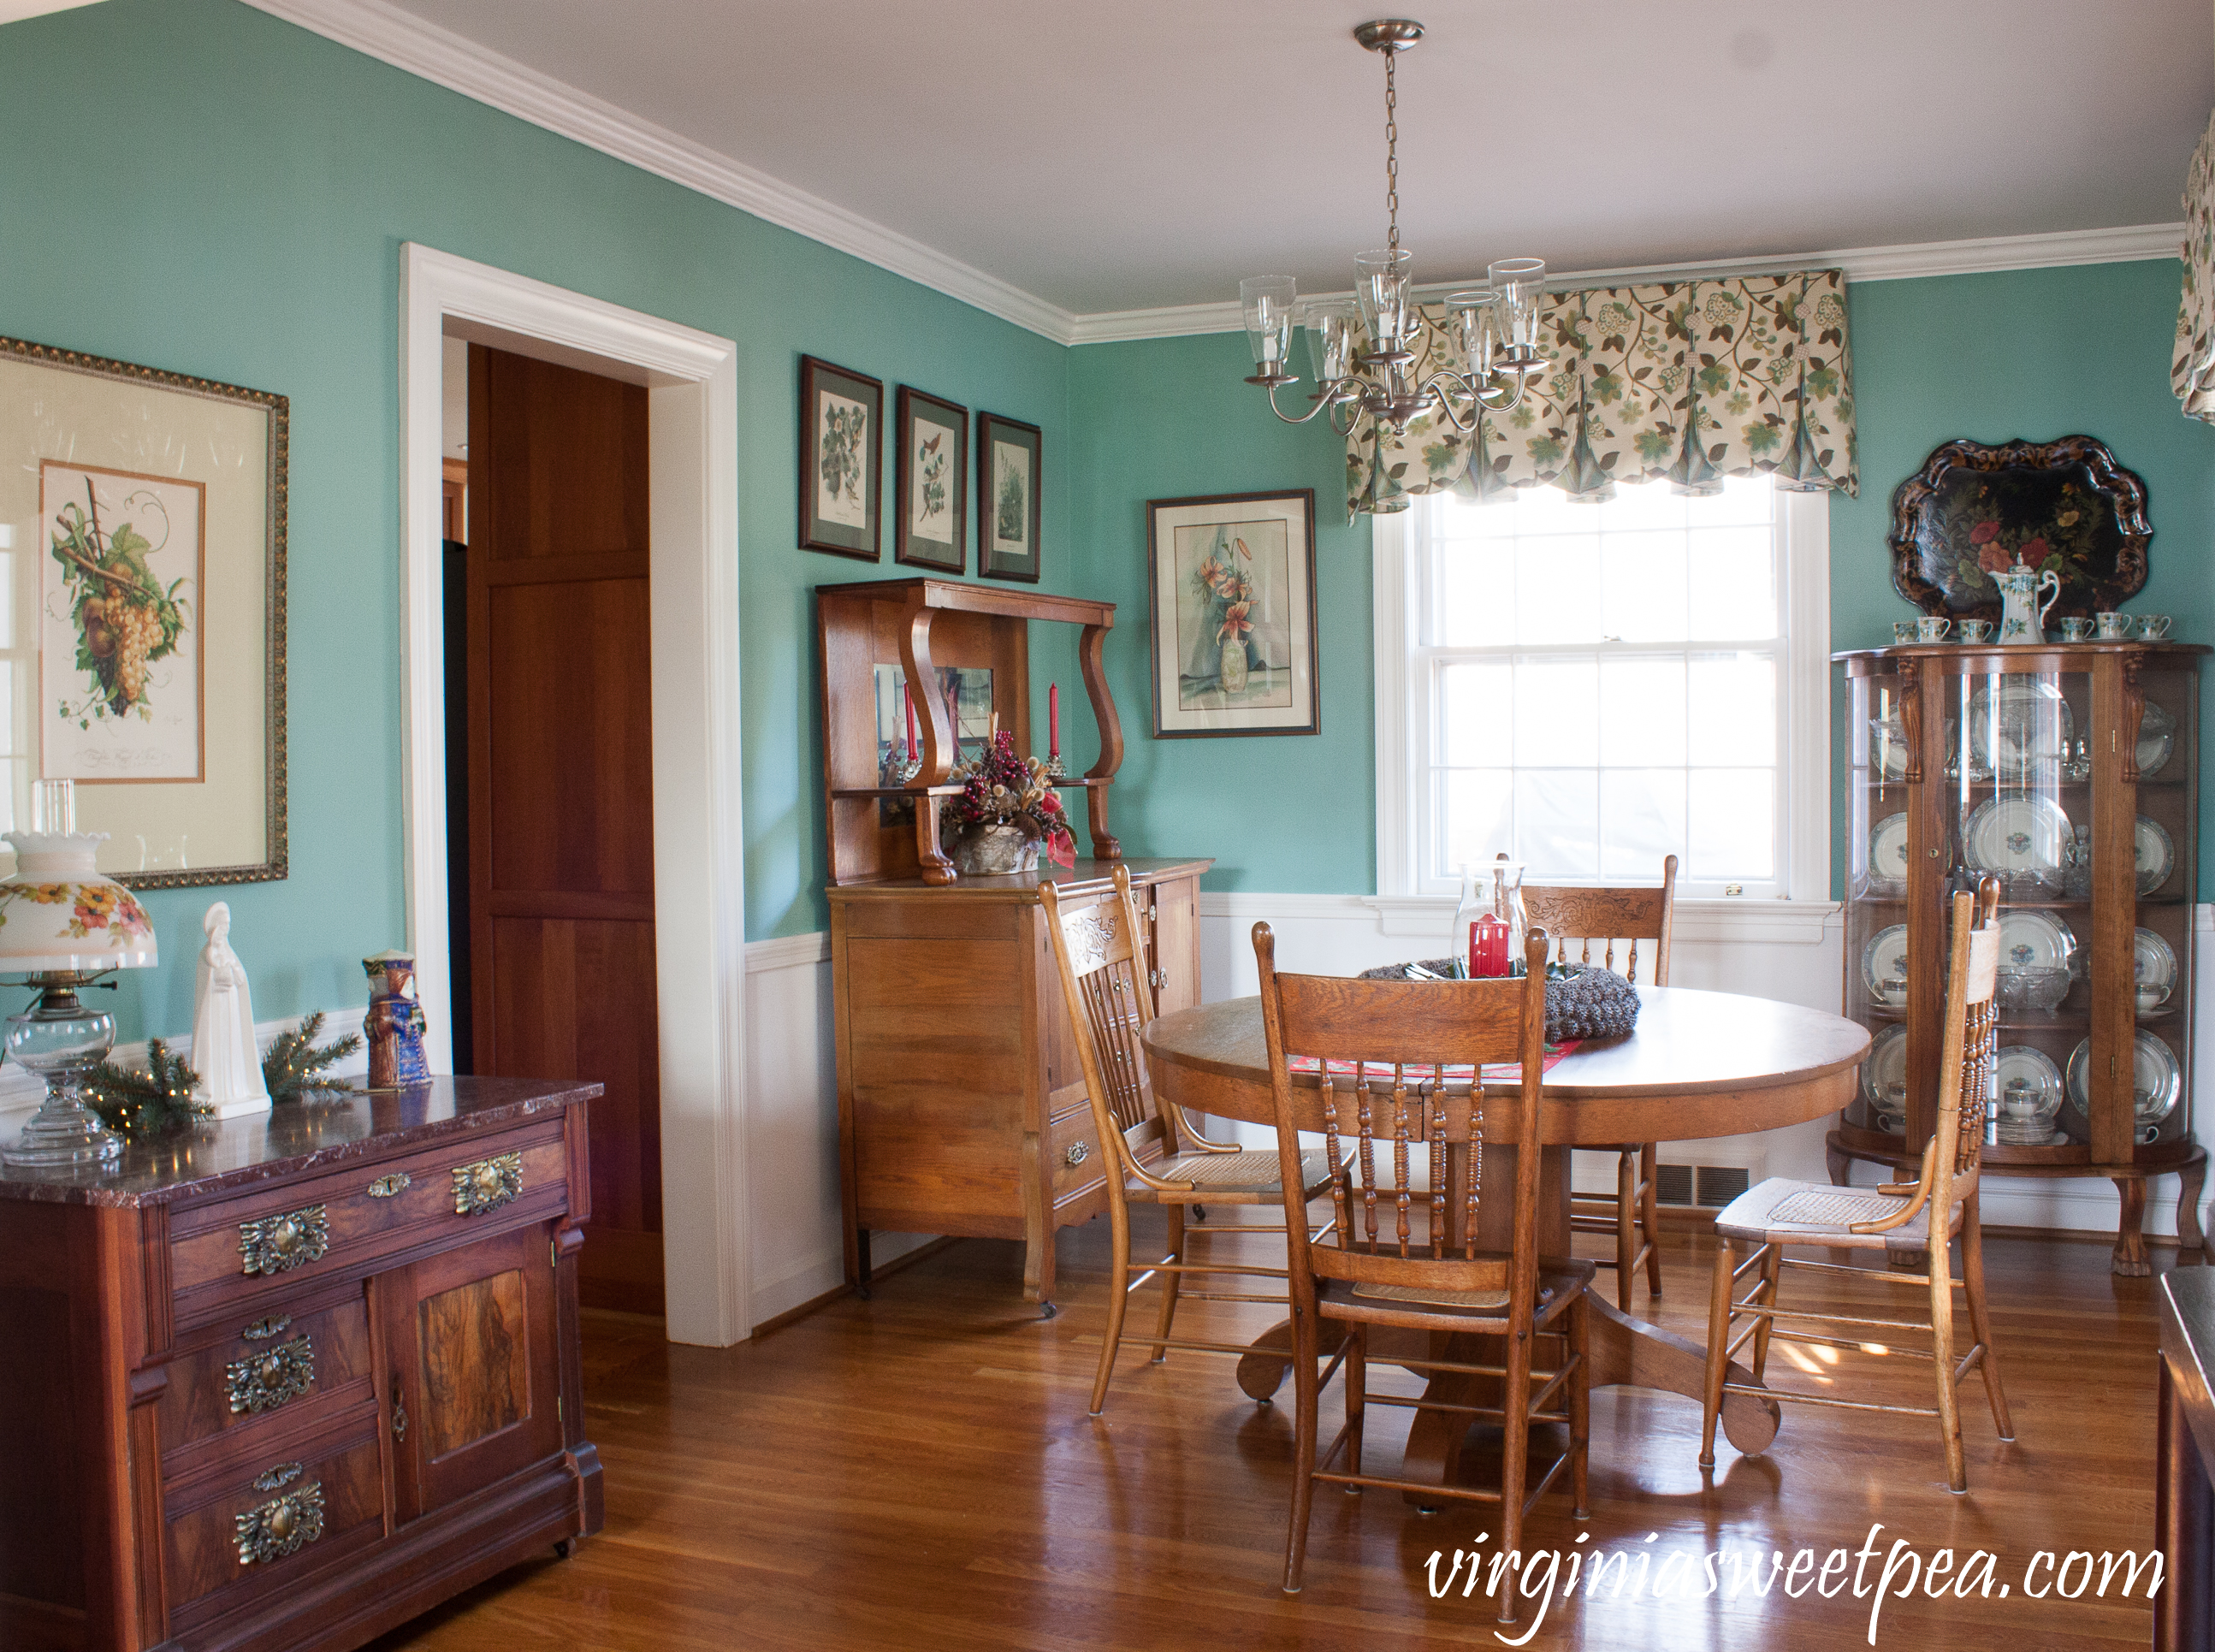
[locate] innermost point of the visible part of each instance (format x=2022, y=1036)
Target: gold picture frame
x=142, y=550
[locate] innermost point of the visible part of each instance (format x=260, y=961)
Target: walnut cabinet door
x=473, y=1393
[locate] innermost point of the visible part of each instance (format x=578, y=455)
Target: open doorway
x=549, y=816
x=694, y=1020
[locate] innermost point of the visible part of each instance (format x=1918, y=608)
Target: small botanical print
x=931, y=509
x=843, y=444
x=1012, y=499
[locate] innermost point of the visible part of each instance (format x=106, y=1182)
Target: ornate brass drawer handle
x=275, y=1245
x=283, y=1525
x=273, y=1377
x=389, y=1186
x=262, y=1329
x=487, y=1184
x=1078, y=1153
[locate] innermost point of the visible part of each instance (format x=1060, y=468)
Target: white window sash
x=1403, y=697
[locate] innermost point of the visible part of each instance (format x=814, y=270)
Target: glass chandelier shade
x=1492, y=332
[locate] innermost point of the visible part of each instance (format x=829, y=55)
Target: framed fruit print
x=842, y=448
x=1230, y=582
x=930, y=496
x=147, y=577
x=1008, y=453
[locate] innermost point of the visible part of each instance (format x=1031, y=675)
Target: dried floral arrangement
x=1000, y=789
x=141, y=1104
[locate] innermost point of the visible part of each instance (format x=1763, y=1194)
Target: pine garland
x=294, y=1061
x=142, y=1103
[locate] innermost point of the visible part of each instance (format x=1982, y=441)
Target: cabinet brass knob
x=1078, y=1153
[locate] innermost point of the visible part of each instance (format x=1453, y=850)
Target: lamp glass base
x=63, y=1134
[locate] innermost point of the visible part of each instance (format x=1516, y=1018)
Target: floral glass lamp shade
x=63, y=925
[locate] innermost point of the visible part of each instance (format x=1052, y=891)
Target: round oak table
x=1699, y=1064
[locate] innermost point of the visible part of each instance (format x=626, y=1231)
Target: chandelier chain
x=1391, y=151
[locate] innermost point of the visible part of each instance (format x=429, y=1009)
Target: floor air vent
x=1706, y=1187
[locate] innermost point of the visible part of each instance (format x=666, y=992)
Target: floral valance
x=1691, y=380
x=2193, y=370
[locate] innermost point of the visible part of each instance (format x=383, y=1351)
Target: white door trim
x=699, y=942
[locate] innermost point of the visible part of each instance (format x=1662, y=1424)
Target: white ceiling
x=1145, y=152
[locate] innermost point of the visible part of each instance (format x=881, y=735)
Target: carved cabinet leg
x=1840, y=1167
x=2190, y=1241
x=2131, y=1260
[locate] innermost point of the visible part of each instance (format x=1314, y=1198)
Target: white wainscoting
x=1792, y=951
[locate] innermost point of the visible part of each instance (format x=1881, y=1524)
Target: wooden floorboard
x=918, y=1471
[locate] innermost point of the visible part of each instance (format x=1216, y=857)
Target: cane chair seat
x=1248, y=1176
x=1784, y=1211
x=1555, y=1286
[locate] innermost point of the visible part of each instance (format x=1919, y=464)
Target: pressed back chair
x=1905, y=1218
x=1404, y=1251
x=1154, y=1155
x=1633, y=915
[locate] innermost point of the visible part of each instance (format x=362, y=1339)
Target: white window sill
x=1798, y=922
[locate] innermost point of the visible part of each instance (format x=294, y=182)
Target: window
x=1592, y=687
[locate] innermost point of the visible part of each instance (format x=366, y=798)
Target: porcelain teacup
x=2113, y=626
x=1903, y=630
x=2076, y=629
x=1932, y=628
x=2152, y=627
x=1976, y=630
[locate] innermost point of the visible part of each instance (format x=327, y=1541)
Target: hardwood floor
x=918, y=1471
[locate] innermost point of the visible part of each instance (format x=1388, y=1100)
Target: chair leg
x=1169, y=1282
x=1118, y=1298
x=1772, y=1265
x=1972, y=1276
x=1649, y=1214
x=1304, y=1388
x=1626, y=1224
x=1941, y=1352
x=1356, y=1396
x=1514, y=1463
x=1580, y=1409
x=1718, y=1324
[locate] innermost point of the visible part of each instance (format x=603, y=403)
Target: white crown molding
x=385, y=31
x=2131, y=244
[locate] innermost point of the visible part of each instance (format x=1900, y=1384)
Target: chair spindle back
x=1634, y=914
x=1098, y=942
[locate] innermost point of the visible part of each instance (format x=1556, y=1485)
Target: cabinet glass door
x=2163, y=887
x=1877, y=875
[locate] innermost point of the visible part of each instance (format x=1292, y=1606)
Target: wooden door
x=1176, y=944
x=561, y=816
x=474, y=1395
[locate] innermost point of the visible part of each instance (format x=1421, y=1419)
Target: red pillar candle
x=1053, y=719
x=908, y=706
x=1488, y=947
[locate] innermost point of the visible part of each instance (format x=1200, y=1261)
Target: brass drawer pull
x=262, y=1329
x=285, y=1524
x=271, y=1378
x=389, y=1186
x=1078, y=1153
x=275, y=1245
x=487, y=1184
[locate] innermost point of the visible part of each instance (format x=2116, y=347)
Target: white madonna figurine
x=224, y=1055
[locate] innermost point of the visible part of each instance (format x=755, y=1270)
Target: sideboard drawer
x=1077, y=1156
x=228, y=1254
x=273, y=1366
x=245, y=1529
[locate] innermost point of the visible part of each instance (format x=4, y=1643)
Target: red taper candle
x=1053, y=719
x=908, y=706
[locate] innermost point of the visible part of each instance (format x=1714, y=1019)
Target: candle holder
x=1054, y=769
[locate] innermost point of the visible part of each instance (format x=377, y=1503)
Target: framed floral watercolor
x=930, y=495
x=148, y=561
x=1973, y=510
x=1230, y=586
x=842, y=450
x=1008, y=494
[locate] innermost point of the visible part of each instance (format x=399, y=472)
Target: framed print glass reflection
x=141, y=642
x=1008, y=489
x=931, y=497
x=842, y=447
x=1232, y=588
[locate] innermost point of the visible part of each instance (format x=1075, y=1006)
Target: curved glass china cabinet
x=2070, y=772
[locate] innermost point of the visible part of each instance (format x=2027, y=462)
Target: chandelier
x=1492, y=332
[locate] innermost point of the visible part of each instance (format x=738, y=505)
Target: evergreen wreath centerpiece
x=1007, y=811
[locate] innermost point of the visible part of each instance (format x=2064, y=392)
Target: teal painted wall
x=1164, y=418
x=2036, y=354
x=193, y=185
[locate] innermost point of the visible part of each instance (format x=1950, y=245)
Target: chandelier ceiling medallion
x=1492, y=331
